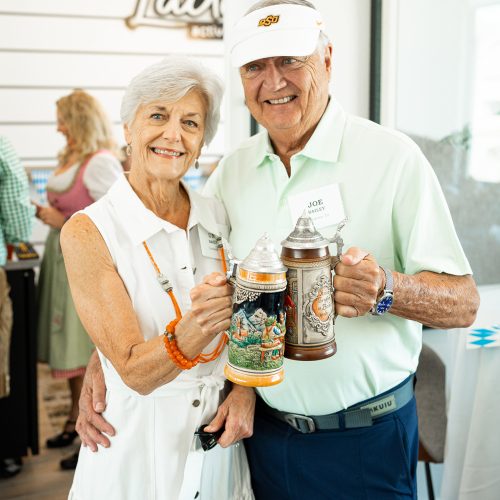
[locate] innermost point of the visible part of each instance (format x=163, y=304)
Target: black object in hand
x=208, y=439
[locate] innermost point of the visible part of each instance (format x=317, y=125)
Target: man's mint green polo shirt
x=396, y=212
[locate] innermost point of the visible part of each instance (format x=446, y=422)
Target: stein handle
x=231, y=272
x=335, y=259
x=339, y=243
x=231, y=279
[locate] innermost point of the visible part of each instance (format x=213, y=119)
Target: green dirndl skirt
x=63, y=342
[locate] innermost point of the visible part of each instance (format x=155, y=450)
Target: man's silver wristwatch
x=385, y=302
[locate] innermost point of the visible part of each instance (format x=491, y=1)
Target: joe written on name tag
x=324, y=205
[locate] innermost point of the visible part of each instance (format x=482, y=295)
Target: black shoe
x=69, y=463
x=9, y=467
x=65, y=438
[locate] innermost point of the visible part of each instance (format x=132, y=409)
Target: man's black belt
x=359, y=415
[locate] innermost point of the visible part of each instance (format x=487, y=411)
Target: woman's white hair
x=171, y=79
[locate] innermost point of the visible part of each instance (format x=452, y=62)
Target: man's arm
x=236, y=415
x=437, y=300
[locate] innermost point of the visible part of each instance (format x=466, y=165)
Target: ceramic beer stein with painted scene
x=256, y=337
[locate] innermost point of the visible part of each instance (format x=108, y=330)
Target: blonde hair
x=88, y=126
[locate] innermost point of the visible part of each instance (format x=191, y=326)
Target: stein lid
x=263, y=258
x=305, y=235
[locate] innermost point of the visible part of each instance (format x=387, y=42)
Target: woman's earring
x=196, y=164
x=128, y=150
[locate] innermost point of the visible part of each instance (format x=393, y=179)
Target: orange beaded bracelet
x=182, y=362
x=169, y=340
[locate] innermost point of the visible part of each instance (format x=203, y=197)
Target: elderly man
x=405, y=265
x=344, y=427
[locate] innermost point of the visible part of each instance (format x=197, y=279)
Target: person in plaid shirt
x=16, y=218
x=16, y=210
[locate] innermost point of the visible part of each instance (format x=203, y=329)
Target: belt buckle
x=294, y=420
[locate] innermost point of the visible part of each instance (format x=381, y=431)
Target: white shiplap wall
x=48, y=48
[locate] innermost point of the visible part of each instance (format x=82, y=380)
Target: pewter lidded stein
x=257, y=333
x=310, y=314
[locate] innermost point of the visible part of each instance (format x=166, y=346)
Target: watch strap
x=389, y=281
x=388, y=290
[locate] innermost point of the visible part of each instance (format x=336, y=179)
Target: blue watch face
x=385, y=304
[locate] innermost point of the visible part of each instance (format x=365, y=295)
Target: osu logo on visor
x=267, y=21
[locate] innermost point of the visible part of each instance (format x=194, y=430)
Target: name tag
x=324, y=206
x=209, y=241
x=382, y=406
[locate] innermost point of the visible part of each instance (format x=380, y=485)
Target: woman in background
x=87, y=168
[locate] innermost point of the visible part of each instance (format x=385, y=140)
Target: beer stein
x=310, y=314
x=256, y=337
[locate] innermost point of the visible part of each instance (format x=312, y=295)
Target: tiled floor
x=41, y=478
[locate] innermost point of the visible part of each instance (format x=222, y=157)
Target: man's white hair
x=171, y=79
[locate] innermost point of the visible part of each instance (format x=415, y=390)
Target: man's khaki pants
x=5, y=333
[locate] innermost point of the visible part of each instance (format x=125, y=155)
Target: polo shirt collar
x=263, y=148
x=324, y=144
x=142, y=223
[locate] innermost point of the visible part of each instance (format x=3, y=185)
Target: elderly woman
x=142, y=261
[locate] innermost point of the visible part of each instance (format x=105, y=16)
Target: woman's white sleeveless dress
x=154, y=454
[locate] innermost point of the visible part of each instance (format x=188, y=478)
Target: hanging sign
x=202, y=18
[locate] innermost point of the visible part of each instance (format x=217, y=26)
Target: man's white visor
x=279, y=30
